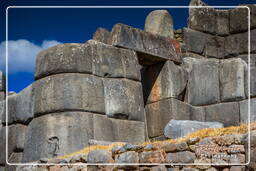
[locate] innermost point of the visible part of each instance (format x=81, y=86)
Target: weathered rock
x=232, y=72
x=124, y=99
x=215, y=47
x=169, y=147
x=226, y=113
x=101, y=35
x=164, y=80
x=149, y=46
x=253, y=14
x=158, y=168
x=2, y=81
x=14, y=158
x=222, y=22
x=2, y=145
x=128, y=157
x=189, y=169
x=16, y=137
x=159, y=22
x=45, y=139
x=180, y=128
x=202, y=19
x=99, y=156
x=65, y=92
x=194, y=40
x=237, y=168
x=159, y=113
x=2, y=112
x=118, y=130
x=2, y=95
x=244, y=112
x=98, y=142
x=181, y=157
x=113, y=62
x=238, y=20
x=203, y=81
x=152, y=157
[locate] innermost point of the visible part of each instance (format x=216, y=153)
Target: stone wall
x=217, y=152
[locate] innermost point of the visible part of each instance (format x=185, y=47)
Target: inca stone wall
x=132, y=85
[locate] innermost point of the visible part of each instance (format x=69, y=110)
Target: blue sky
x=31, y=30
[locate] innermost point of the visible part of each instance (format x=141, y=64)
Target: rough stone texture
x=2, y=112
x=99, y=156
x=150, y=46
x=238, y=20
x=14, y=158
x=163, y=80
x=180, y=128
x=215, y=47
x=226, y=113
x=124, y=99
x=194, y=40
x=16, y=137
x=244, y=115
x=152, y=157
x=181, y=157
x=128, y=157
x=159, y=113
x=20, y=107
x=232, y=79
x=101, y=35
x=45, y=139
x=72, y=57
x=64, y=92
x=169, y=147
x=237, y=168
x=203, y=81
x=222, y=22
x=2, y=95
x=2, y=145
x=202, y=19
x=2, y=81
x=108, y=129
x=159, y=22
x=113, y=62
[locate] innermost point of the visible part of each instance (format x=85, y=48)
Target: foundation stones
x=159, y=22
x=101, y=35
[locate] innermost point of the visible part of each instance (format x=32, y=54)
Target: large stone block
x=113, y=62
x=2, y=95
x=150, y=47
x=13, y=159
x=244, y=110
x=180, y=128
x=107, y=129
x=57, y=134
x=2, y=145
x=238, y=20
x=202, y=19
x=2, y=81
x=101, y=35
x=226, y=113
x=66, y=92
x=232, y=77
x=2, y=112
x=64, y=58
x=222, y=22
x=203, y=81
x=159, y=113
x=163, y=81
x=124, y=99
x=195, y=41
x=16, y=137
x=159, y=22
x=215, y=47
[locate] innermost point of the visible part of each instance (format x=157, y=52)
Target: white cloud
x=22, y=54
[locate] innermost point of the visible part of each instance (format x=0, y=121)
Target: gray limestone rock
x=222, y=22
x=203, y=81
x=232, y=72
x=101, y=35
x=2, y=81
x=2, y=95
x=180, y=128
x=107, y=129
x=128, y=157
x=16, y=137
x=164, y=80
x=150, y=47
x=244, y=112
x=181, y=157
x=215, y=47
x=2, y=145
x=159, y=113
x=57, y=134
x=14, y=158
x=226, y=113
x=66, y=92
x=99, y=156
x=2, y=112
x=238, y=18
x=64, y=58
x=159, y=22
x=124, y=99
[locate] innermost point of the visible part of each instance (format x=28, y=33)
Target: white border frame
x=129, y=164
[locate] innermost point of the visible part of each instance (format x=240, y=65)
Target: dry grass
x=203, y=133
